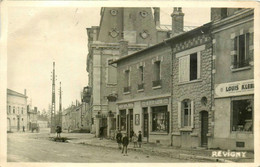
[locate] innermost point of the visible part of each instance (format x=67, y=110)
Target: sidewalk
x=157, y=149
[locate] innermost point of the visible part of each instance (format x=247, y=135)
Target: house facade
x=137, y=28
x=233, y=61
x=16, y=111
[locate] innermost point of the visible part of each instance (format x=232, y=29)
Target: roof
x=12, y=92
x=172, y=39
x=169, y=28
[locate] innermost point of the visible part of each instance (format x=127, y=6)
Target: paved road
x=32, y=147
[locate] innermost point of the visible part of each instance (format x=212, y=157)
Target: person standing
x=134, y=138
x=140, y=139
x=119, y=139
x=125, y=142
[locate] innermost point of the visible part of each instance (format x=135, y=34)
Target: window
x=123, y=120
x=13, y=110
x=111, y=73
x=157, y=74
x=18, y=110
x=9, y=110
x=22, y=110
x=141, y=73
x=241, y=46
x=127, y=81
x=160, y=122
x=185, y=113
x=189, y=67
x=242, y=115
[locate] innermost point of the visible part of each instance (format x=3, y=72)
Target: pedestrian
x=125, y=142
x=131, y=135
x=140, y=139
x=119, y=139
x=58, y=130
x=134, y=138
x=23, y=129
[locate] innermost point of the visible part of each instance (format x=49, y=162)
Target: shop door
x=204, y=128
x=145, y=123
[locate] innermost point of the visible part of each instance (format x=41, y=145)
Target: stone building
x=191, y=87
x=233, y=61
x=140, y=27
x=32, y=116
x=16, y=110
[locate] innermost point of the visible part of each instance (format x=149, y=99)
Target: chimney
x=157, y=16
x=123, y=48
x=25, y=92
x=177, y=21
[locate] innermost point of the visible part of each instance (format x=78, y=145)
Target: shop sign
x=155, y=102
x=124, y=106
x=234, y=88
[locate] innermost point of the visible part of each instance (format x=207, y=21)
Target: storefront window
x=160, y=119
x=242, y=115
x=123, y=120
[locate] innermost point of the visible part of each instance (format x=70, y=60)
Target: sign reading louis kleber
x=238, y=88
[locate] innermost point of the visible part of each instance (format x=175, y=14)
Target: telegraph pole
x=60, y=108
x=53, y=104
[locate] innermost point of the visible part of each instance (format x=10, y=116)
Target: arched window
x=185, y=113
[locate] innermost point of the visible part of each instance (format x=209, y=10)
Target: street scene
x=130, y=84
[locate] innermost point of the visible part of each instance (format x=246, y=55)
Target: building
x=137, y=28
x=147, y=93
x=76, y=117
x=32, y=115
x=191, y=88
x=233, y=61
x=16, y=110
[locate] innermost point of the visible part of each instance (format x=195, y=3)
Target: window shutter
x=181, y=69
x=187, y=68
x=198, y=65
x=192, y=114
x=234, y=52
x=179, y=114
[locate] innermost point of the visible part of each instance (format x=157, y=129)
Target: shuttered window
x=189, y=67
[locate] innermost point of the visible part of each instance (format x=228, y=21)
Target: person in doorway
x=125, y=142
x=134, y=138
x=140, y=139
x=119, y=139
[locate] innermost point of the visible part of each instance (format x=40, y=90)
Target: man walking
x=140, y=139
x=125, y=142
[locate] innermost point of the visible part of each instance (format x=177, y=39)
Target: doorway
x=204, y=128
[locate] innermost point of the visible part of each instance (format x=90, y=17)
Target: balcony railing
x=127, y=89
x=140, y=86
x=157, y=83
x=240, y=64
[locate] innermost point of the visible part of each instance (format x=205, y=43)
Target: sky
x=37, y=36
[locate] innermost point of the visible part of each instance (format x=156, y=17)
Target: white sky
x=37, y=36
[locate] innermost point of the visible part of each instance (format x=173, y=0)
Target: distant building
x=16, y=111
x=233, y=74
x=32, y=116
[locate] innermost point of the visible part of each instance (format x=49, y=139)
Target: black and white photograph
x=130, y=84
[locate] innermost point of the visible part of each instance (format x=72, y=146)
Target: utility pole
x=60, y=108
x=53, y=104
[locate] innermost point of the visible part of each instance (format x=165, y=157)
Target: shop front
x=234, y=115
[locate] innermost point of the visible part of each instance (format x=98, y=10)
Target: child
x=140, y=139
x=135, y=140
x=125, y=142
x=119, y=139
